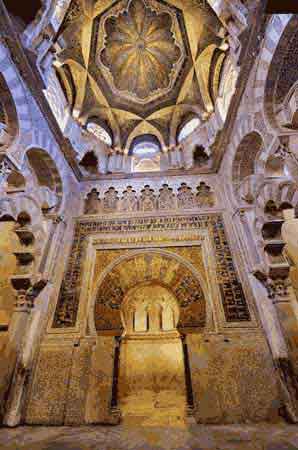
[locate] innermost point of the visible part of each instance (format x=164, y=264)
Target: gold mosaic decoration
x=140, y=41
x=140, y=66
x=233, y=299
x=148, y=267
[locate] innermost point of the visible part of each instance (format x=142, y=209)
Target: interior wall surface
x=231, y=368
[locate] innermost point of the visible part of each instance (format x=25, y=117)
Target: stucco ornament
x=141, y=52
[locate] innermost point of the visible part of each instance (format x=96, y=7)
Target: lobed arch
x=121, y=269
x=45, y=170
x=181, y=115
x=227, y=80
x=151, y=139
x=26, y=182
x=287, y=116
x=66, y=81
x=274, y=32
x=14, y=90
x=144, y=129
x=8, y=113
x=104, y=132
x=234, y=157
x=191, y=121
x=23, y=204
x=274, y=194
x=245, y=157
x=52, y=158
x=280, y=78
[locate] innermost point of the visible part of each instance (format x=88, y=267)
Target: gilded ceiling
x=140, y=66
x=141, y=52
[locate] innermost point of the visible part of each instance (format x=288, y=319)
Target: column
x=5, y=170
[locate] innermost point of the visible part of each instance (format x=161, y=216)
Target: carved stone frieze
x=129, y=201
x=148, y=200
x=166, y=199
x=92, y=203
x=205, y=196
x=110, y=201
x=185, y=197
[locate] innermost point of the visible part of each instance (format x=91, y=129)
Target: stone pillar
x=33, y=327
x=273, y=300
x=19, y=339
x=279, y=293
x=26, y=322
x=5, y=170
x=173, y=157
x=247, y=241
x=119, y=160
x=57, y=228
x=112, y=161
x=17, y=328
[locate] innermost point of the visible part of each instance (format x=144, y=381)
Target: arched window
x=145, y=152
x=188, y=128
x=99, y=132
x=145, y=148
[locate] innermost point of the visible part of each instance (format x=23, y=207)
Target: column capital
x=56, y=218
x=277, y=288
x=6, y=168
x=26, y=292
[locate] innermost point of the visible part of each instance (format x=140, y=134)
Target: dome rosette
x=140, y=54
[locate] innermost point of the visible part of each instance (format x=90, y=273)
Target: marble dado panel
x=232, y=296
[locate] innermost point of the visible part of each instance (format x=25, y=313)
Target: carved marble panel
x=49, y=393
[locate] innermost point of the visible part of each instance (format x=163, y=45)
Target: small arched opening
x=245, y=158
x=100, y=131
x=90, y=163
x=15, y=182
x=149, y=313
x=145, y=151
x=46, y=172
x=152, y=372
x=187, y=127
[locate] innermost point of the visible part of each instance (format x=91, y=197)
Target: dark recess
x=25, y=10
